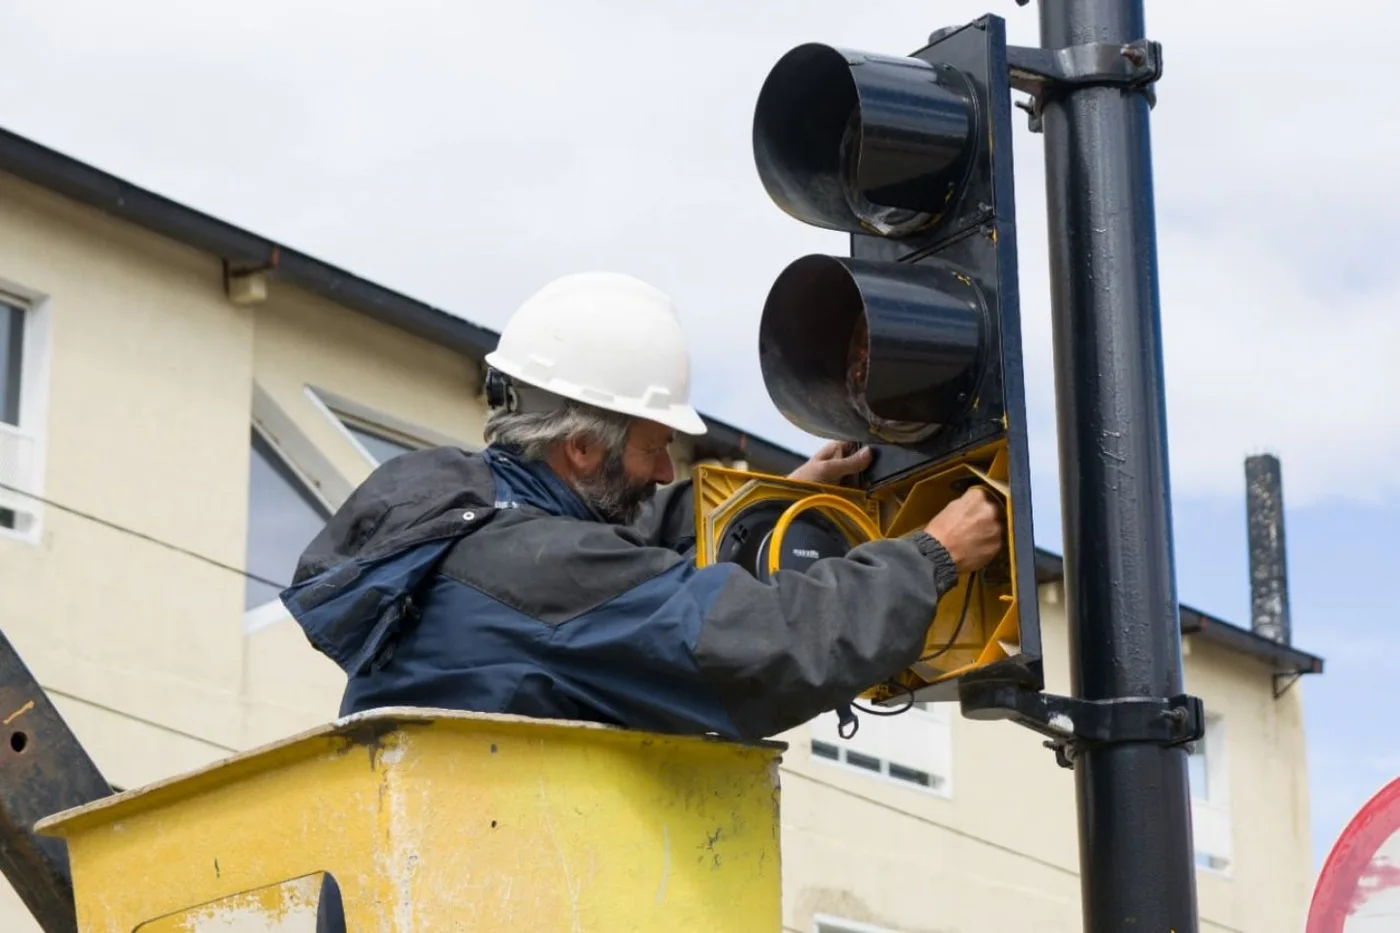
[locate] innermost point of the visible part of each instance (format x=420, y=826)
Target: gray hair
x=533, y=433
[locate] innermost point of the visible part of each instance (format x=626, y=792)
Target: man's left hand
x=830, y=466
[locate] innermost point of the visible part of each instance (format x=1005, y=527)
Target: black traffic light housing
x=911, y=344
x=912, y=157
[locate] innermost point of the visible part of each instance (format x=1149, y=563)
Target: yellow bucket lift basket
x=437, y=820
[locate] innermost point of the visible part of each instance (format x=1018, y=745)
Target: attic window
x=381, y=445
x=378, y=435
x=283, y=516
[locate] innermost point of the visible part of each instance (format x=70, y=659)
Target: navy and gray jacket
x=480, y=581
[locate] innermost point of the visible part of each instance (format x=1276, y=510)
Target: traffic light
x=911, y=344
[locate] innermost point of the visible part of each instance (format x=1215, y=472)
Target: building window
x=11, y=361
x=378, y=444
x=1210, y=798
x=23, y=400
x=1196, y=771
x=283, y=516
x=11, y=378
x=378, y=435
x=913, y=749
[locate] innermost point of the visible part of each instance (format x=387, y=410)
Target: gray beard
x=612, y=495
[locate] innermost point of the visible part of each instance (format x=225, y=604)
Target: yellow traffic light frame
x=955, y=644
x=723, y=494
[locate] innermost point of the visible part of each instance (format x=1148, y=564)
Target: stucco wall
x=151, y=391
x=1002, y=853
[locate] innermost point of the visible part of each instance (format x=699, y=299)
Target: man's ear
x=581, y=454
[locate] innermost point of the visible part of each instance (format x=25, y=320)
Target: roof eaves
x=1049, y=568
x=1285, y=658
x=88, y=185
x=64, y=175
x=722, y=439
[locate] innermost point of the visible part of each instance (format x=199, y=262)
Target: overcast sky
x=466, y=153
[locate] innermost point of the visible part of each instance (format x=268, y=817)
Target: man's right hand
x=970, y=529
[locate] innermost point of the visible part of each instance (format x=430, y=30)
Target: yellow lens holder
x=977, y=622
x=819, y=501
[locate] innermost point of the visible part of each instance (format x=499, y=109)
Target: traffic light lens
x=876, y=352
x=863, y=143
x=881, y=219
x=858, y=389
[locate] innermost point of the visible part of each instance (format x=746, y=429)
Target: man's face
x=618, y=485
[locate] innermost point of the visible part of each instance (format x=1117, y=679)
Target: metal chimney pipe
x=1268, y=559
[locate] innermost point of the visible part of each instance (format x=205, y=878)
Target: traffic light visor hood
x=864, y=143
x=607, y=340
x=876, y=352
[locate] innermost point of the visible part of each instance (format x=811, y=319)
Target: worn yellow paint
x=18, y=713
x=431, y=819
x=289, y=907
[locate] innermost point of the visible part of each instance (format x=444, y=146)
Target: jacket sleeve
x=643, y=638
x=779, y=653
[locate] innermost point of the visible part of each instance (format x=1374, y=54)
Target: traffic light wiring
x=106, y=523
x=975, y=578
x=825, y=501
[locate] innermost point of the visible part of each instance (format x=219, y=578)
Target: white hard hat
x=605, y=339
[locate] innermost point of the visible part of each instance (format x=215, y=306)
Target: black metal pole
x=1135, y=839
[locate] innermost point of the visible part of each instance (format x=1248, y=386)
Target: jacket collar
x=521, y=482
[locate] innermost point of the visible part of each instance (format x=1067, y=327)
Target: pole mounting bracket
x=1071, y=724
x=1042, y=73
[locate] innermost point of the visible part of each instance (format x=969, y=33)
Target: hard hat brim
x=681, y=418
x=686, y=420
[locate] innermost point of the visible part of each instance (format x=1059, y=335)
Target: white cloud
x=466, y=153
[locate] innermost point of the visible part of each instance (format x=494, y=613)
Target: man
x=551, y=574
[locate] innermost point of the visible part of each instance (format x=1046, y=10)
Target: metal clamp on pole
x=1135, y=65
x=1072, y=723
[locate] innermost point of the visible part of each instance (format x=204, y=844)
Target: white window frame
x=35, y=367
x=934, y=720
x=827, y=923
x=343, y=411
x=311, y=467
x=1210, y=813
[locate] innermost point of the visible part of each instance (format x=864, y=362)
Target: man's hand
x=830, y=466
x=969, y=528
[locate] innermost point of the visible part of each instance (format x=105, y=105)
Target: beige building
x=192, y=401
